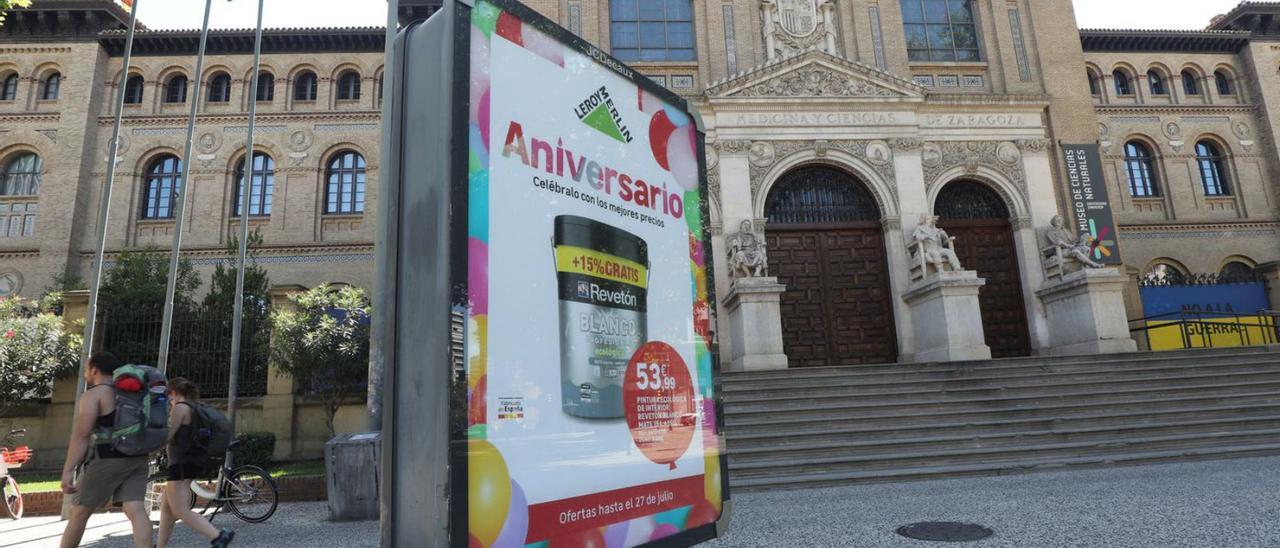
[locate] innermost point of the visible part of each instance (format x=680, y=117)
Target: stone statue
x=937, y=246
x=1077, y=247
x=1158, y=275
x=748, y=257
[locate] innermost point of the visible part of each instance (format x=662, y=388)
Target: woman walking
x=177, y=491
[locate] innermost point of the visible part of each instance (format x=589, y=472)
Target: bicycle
x=12, y=458
x=247, y=491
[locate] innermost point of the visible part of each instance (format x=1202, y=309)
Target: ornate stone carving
x=817, y=81
x=762, y=154
x=748, y=256
x=713, y=186
x=792, y=26
x=123, y=148
x=905, y=144
x=1035, y=146
x=1066, y=249
x=783, y=149
x=1242, y=130
x=10, y=283
x=891, y=224
x=820, y=147
x=713, y=158
x=932, y=249
x=1173, y=131
x=1008, y=153
x=301, y=140
x=209, y=142
x=971, y=155
x=879, y=153
x=1103, y=130
x=50, y=134
x=733, y=146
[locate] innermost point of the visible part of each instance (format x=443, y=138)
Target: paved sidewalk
x=293, y=525
x=1232, y=503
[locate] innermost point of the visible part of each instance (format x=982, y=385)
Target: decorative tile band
x=877, y=38
x=1020, y=46
x=730, y=40
x=344, y=128
x=1199, y=234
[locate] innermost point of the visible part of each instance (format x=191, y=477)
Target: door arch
x=978, y=218
x=826, y=245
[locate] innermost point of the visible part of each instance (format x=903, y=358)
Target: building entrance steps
x=917, y=421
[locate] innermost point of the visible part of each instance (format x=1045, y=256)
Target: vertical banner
x=591, y=411
x=1090, y=206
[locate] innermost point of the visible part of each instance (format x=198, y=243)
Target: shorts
x=120, y=480
x=179, y=472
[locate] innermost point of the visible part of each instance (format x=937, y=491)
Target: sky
x=185, y=14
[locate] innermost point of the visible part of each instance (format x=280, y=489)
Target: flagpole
x=166, y=326
x=246, y=186
x=377, y=357
x=104, y=208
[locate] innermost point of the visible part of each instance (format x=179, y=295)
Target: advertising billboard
x=1090, y=204
x=571, y=191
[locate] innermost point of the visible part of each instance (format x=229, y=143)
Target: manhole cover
x=945, y=531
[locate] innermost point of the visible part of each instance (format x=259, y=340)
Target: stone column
x=1037, y=164
x=913, y=201
x=755, y=317
x=947, y=317
x=894, y=243
x=736, y=205
x=279, y=405
x=1086, y=313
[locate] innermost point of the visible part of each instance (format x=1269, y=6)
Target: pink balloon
x=683, y=158
x=516, y=528
x=639, y=531
x=478, y=276
x=541, y=44
x=483, y=119
x=663, y=531
x=479, y=69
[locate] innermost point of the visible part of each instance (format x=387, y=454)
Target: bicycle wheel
x=251, y=494
x=12, y=497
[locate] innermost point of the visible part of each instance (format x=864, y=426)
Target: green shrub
x=255, y=448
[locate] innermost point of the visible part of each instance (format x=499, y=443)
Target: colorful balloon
x=480, y=81
x=509, y=27
x=542, y=45
x=485, y=16
x=477, y=344
x=660, y=130
x=478, y=210
x=639, y=531
x=476, y=403
x=588, y=538
x=682, y=156
x=702, y=513
x=488, y=491
x=478, y=276
x=663, y=531
x=517, y=526
x=658, y=380
x=675, y=518
x=712, y=481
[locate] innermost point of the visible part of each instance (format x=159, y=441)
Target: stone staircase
x=840, y=425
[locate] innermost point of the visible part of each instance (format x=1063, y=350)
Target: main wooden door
x=827, y=247
x=979, y=220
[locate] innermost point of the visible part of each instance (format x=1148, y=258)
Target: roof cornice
x=1204, y=41
x=233, y=41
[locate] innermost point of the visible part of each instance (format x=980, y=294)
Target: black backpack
x=210, y=436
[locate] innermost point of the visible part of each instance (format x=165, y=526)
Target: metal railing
x=1197, y=329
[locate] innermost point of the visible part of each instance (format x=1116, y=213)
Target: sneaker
x=224, y=539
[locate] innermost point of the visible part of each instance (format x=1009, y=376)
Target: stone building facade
x=833, y=128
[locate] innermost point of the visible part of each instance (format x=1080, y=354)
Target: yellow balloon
x=489, y=490
x=700, y=280
x=711, y=481
x=479, y=341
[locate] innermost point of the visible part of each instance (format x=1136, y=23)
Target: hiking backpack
x=210, y=436
x=142, y=412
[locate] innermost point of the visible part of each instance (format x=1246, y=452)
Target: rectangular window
x=940, y=30
x=652, y=30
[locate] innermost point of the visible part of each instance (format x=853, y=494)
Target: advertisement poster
x=591, y=413
x=1090, y=206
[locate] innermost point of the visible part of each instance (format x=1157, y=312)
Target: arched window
x=175, y=91
x=51, y=87
x=266, y=87
x=1094, y=88
x=819, y=194
x=163, y=182
x=380, y=79
x=1224, y=83
x=1157, y=83
x=1212, y=169
x=344, y=184
x=1140, y=165
x=260, y=189
x=22, y=175
x=133, y=90
x=304, y=87
x=220, y=88
x=349, y=86
x=1236, y=270
x=9, y=90
x=1190, y=84
x=644, y=30
x=1123, y=85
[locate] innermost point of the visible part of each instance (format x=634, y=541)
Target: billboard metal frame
x=422, y=277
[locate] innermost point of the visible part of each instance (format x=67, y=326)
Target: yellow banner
x=580, y=260
x=1212, y=333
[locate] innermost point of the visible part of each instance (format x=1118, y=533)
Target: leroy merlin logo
x=599, y=112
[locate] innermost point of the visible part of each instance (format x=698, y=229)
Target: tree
x=35, y=349
x=6, y=5
x=219, y=306
x=324, y=344
x=139, y=278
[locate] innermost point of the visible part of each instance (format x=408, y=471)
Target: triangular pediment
x=816, y=74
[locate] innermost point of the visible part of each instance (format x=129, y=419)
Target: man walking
x=108, y=474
